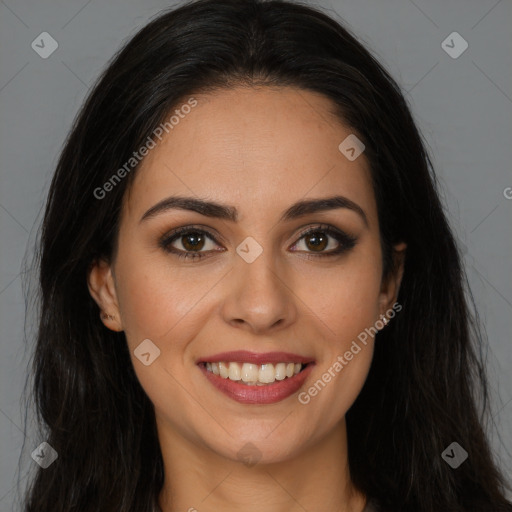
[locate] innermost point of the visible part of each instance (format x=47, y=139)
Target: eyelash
x=345, y=240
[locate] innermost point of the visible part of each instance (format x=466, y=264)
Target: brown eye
x=317, y=241
x=188, y=243
x=319, y=238
x=193, y=241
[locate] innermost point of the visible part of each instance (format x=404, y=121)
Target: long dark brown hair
x=427, y=385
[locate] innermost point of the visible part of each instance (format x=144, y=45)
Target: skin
x=259, y=150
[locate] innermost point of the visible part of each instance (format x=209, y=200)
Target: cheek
x=345, y=298
x=155, y=298
x=160, y=300
x=159, y=304
x=347, y=303
x=169, y=306
x=334, y=390
x=349, y=309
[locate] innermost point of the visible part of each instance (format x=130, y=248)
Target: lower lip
x=267, y=394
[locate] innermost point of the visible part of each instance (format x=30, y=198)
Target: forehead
x=255, y=148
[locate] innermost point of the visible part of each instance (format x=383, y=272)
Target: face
x=252, y=288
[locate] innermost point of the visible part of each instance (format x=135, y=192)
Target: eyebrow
x=225, y=212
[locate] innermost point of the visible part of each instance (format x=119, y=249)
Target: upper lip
x=244, y=356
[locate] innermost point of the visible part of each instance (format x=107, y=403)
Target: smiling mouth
x=254, y=374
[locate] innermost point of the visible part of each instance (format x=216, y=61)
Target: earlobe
x=101, y=284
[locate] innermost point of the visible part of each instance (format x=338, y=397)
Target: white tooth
x=223, y=370
x=234, y=371
x=267, y=373
x=209, y=366
x=249, y=372
x=280, y=371
x=252, y=374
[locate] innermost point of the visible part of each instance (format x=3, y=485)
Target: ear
x=391, y=286
x=101, y=284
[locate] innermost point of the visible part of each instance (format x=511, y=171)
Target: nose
x=259, y=296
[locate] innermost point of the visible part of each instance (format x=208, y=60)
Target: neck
x=198, y=479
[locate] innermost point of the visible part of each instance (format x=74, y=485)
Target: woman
x=251, y=296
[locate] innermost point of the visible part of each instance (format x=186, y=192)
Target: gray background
x=463, y=107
